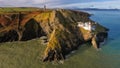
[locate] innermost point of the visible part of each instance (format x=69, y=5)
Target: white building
x=86, y=26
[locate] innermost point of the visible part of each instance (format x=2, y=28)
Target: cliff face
x=59, y=26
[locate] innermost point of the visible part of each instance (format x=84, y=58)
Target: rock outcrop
x=99, y=38
x=59, y=26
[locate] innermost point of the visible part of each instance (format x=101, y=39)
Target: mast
x=44, y=7
x=44, y=1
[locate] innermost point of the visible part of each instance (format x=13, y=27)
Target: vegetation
x=21, y=54
x=16, y=9
x=29, y=54
x=26, y=55
x=43, y=16
x=99, y=28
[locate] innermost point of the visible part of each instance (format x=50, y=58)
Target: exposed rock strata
x=60, y=27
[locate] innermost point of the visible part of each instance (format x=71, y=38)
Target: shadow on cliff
x=32, y=30
x=9, y=36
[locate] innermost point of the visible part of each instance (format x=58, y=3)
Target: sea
x=109, y=54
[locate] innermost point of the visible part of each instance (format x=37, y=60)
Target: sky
x=62, y=3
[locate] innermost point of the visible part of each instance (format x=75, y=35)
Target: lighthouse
x=44, y=7
x=90, y=26
x=44, y=4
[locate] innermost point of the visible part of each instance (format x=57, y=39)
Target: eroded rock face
x=9, y=36
x=32, y=30
x=60, y=26
x=19, y=27
x=98, y=38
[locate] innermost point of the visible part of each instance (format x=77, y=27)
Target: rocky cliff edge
x=59, y=26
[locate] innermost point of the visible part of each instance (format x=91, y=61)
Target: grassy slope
x=21, y=54
x=25, y=55
x=16, y=9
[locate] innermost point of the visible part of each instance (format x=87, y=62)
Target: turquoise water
x=111, y=50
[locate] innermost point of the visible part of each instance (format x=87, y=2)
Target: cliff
x=60, y=26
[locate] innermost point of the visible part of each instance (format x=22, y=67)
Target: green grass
x=99, y=28
x=21, y=54
x=16, y=9
x=28, y=55
x=43, y=16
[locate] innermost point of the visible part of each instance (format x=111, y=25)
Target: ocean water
x=109, y=55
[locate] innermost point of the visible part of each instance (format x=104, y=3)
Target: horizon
x=102, y=4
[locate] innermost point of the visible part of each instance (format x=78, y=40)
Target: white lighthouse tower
x=89, y=26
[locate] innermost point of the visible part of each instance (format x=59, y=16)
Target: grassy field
x=29, y=54
x=17, y=9
x=21, y=54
